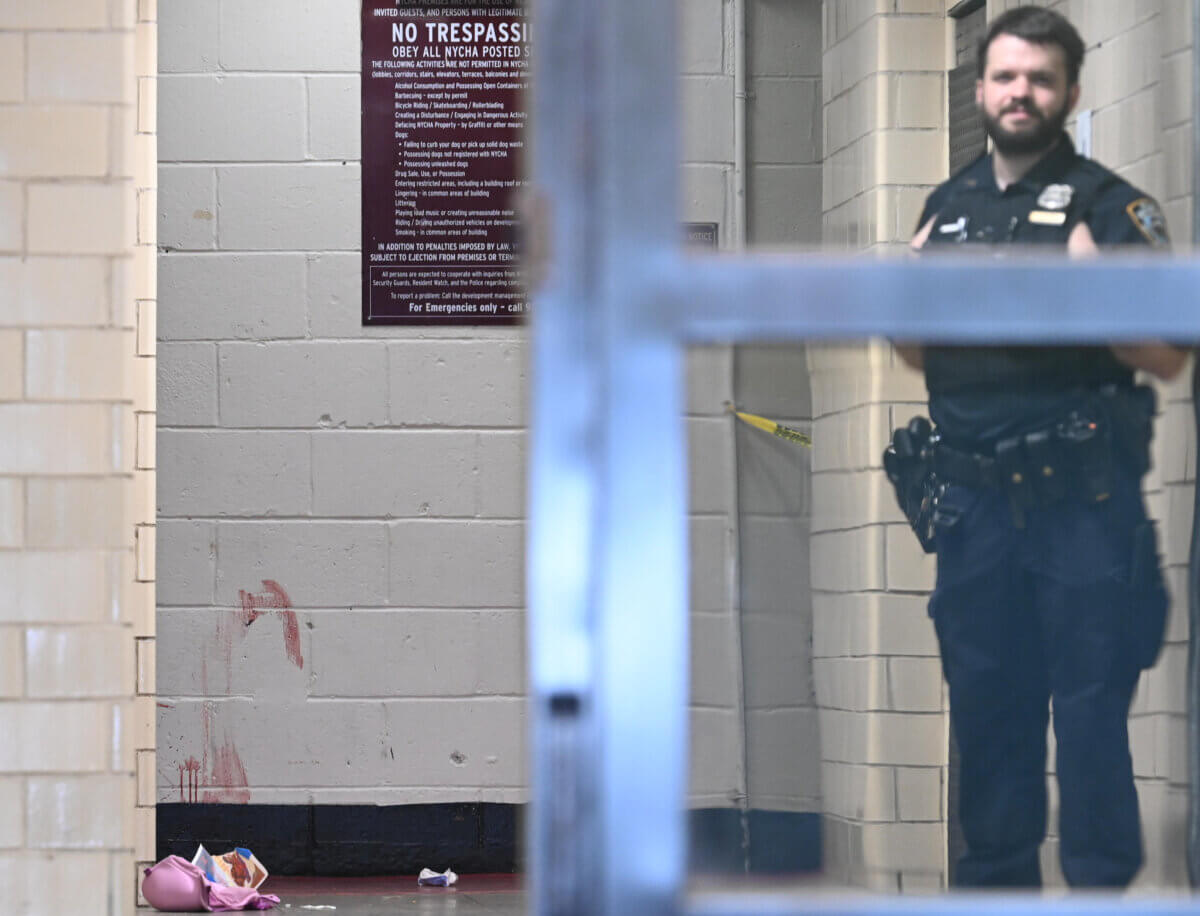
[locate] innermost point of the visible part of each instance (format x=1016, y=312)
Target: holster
x=908, y=462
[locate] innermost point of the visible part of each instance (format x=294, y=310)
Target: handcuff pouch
x=1045, y=466
x=1013, y=476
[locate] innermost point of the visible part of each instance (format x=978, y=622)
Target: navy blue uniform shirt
x=980, y=394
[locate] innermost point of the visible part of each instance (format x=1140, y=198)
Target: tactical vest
x=981, y=390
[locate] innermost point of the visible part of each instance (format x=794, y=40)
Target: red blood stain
x=206, y=714
x=250, y=606
x=190, y=791
x=229, y=774
x=275, y=599
x=225, y=782
x=223, y=652
x=291, y=638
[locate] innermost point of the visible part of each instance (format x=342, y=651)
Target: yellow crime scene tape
x=770, y=426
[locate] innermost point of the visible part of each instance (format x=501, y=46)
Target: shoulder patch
x=1149, y=219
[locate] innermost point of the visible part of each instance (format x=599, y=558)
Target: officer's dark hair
x=1038, y=26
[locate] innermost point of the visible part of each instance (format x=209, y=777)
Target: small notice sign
x=700, y=235
x=443, y=117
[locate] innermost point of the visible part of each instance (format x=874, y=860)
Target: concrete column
x=878, y=679
x=77, y=404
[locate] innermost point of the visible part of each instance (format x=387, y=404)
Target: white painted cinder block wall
x=371, y=479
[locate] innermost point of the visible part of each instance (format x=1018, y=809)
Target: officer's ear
x=1072, y=97
x=978, y=93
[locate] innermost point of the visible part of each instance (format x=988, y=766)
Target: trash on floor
x=431, y=878
x=233, y=869
x=176, y=885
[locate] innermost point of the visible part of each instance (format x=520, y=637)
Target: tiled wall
x=784, y=122
x=717, y=776
x=783, y=747
x=775, y=498
x=877, y=675
x=1160, y=757
x=76, y=459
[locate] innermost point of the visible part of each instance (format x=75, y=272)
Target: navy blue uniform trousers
x=1066, y=610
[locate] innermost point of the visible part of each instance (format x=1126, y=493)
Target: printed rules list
x=443, y=117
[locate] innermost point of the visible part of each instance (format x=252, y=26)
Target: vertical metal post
x=564, y=827
x=1193, y=669
x=607, y=549
x=1193, y=676
x=641, y=594
x=607, y=555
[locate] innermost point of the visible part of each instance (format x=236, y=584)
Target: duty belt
x=1075, y=457
x=1071, y=458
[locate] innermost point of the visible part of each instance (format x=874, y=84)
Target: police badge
x=1149, y=219
x=1056, y=197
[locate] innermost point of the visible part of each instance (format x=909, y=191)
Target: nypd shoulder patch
x=1149, y=219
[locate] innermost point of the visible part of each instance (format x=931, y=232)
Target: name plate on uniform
x=1047, y=217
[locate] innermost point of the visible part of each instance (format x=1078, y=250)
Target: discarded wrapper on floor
x=432, y=878
x=238, y=868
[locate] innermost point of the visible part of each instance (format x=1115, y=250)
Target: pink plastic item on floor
x=175, y=885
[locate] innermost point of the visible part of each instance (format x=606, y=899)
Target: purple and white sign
x=443, y=117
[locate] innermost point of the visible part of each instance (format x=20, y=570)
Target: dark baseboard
x=471, y=838
x=351, y=840
x=727, y=841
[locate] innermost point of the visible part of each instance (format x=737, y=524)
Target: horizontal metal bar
x=955, y=299
x=953, y=904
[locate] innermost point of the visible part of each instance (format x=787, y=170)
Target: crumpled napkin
x=433, y=878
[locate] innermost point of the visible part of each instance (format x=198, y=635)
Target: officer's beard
x=1043, y=134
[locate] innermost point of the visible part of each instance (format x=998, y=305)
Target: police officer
x=1048, y=586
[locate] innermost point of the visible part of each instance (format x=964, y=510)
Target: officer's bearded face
x=1024, y=97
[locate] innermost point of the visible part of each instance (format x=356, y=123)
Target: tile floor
x=474, y=895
